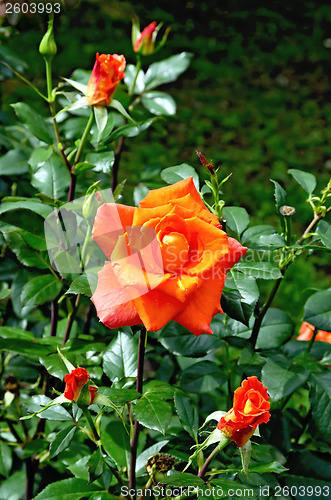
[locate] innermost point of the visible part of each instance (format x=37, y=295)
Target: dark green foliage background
x=255, y=98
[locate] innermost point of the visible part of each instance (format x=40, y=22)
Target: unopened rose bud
x=205, y=163
x=47, y=47
x=287, y=211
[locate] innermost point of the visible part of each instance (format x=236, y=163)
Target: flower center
x=253, y=403
x=174, y=250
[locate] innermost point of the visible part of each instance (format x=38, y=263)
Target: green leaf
x=51, y=178
x=159, y=103
x=153, y=412
x=242, y=304
x=20, y=345
x=103, y=162
x=176, y=478
x=270, y=467
x=320, y=397
x=33, y=122
x=95, y=465
x=203, y=376
x=130, y=74
x=277, y=328
x=61, y=441
x=130, y=130
x=237, y=219
x=280, y=195
x=101, y=117
x=67, y=489
x=80, y=286
x=118, y=106
x=41, y=289
x=181, y=342
x=188, y=414
x=167, y=70
x=306, y=487
x=26, y=220
x=262, y=237
x=261, y=270
x=36, y=404
x=324, y=231
x=116, y=442
x=13, y=488
x=14, y=202
x=26, y=255
x=254, y=232
x=139, y=193
x=306, y=180
x=163, y=389
x=282, y=377
x=77, y=85
x=171, y=175
x=120, y=396
x=318, y=310
x=120, y=359
x=6, y=459
x=54, y=365
x=13, y=163
x=10, y=332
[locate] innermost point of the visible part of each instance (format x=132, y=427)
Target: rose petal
x=203, y=304
x=236, y=251
x=161, y=196
x=110, y=223
x=156, y=309
x=112, y=301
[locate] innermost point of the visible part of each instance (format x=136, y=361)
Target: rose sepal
x=216, y=436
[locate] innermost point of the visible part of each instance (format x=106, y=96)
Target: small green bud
x=47, y=47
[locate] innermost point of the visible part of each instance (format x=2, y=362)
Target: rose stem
x=135, y=435
x=54, y=317
x=88, y=417
x=71, y=320
x=218, y=448
x=118, y=154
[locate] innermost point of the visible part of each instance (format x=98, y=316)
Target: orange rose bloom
x=167, y=261
x=145, y=42
x=75, y=381
x=306, y=332
x=250, y=409
x=106, y=75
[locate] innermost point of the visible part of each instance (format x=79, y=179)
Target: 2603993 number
x=33, y=8
x=302, y=491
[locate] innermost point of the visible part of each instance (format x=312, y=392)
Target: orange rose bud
x=145, y=43
x=250, y=409
x=306, y=332
x=76, y=385
x=108, y=71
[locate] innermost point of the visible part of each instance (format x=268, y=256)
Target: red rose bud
x=108, y=71
x=78, y=388
x=145, y=43
x=205, y=163
x=250, y=409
